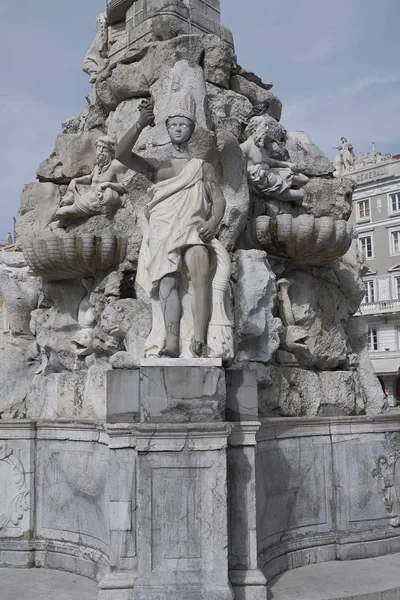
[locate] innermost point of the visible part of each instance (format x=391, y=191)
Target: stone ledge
x=181, y=362
x=176, y=437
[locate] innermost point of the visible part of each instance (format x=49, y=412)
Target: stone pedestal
x=167, y=390
x=155, y=20
x=176, y=393
x=182, y=512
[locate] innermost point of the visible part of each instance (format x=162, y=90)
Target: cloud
x=368, y=81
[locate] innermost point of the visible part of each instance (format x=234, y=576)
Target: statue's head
x=181, y=120
x=344, y=140
x=105, y=148
x=258, y=130
x=265, y=130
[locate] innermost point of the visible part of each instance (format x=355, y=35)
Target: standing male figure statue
x=185, y=208
x=347, y=153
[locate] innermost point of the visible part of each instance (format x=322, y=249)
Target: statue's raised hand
x=146, y=116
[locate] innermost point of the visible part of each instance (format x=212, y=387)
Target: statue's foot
x=200, y=349
x=170, y=351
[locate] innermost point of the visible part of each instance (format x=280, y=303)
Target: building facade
x=376, y=218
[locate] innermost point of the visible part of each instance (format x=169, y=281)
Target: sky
x=334, y=65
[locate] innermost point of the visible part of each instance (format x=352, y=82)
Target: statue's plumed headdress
x=183, y=106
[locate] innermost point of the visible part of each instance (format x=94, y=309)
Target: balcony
x=382, y=307
x=385, y=363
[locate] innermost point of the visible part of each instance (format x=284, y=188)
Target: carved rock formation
x=153, y=53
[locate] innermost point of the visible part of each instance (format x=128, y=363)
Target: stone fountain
x=188, y=403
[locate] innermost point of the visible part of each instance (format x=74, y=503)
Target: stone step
x=368, y=579
x=45, y=584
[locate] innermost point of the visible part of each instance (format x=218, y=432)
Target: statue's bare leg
x=197, y=261
x=66, y=211
x=171, y=309
x=300, y=180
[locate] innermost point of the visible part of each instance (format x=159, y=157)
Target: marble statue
x=268, y=177
x=106, y=187
x=96, y=57
x=347, y=153
x=180, y=255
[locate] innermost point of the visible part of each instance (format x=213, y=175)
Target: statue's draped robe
x=173, y=214
x=175, y=209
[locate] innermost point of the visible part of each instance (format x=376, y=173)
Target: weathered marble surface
x=330, y=461
x=80, y=481
x=73, y=156
x=39, y=202
x=166, y=397
x=161, y=21
x=257, y=327
x=182, y=511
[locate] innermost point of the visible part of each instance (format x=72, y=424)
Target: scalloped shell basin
x=311, y=240
x=73, y=256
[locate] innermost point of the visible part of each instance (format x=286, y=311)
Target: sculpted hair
x=257, y=127
x=109, y=142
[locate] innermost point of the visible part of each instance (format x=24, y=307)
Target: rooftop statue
x=347, y=153
x=269, y=177
x=179, y=253
x=106, y=191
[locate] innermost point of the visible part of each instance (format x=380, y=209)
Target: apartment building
x=376, y=218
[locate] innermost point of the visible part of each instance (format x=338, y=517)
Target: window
x=365, y=245
x=394, y=202
x=369, y=291
x=364, y=210
x=395, y=242
x=373, y=339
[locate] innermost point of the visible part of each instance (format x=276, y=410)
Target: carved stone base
x=186, y=592
x=116, y=585
x=248, y=585
x=182, y=512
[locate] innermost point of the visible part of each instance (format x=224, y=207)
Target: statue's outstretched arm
x=84, y=180
x=124, y=151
